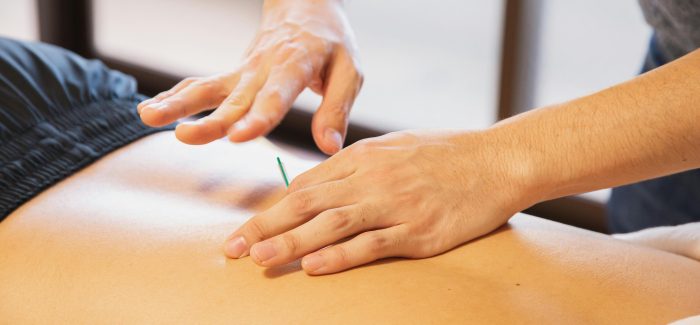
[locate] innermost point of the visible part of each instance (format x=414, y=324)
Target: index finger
x=272, y=102
x=338, y=166
x=295, y=209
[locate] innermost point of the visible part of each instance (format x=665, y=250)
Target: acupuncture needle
x=284, y=173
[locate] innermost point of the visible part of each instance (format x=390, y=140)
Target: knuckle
x=272, y=120
x=238, y=100
x=422, y=250
x=209, y=87
x=273, y=96
x=205, y=84
x=341, y=256
x=322, y=47
x=300, y=202
x=300, y=69
x=310, y=42
x=289, y=49
x=219, y=122
x=255, y=228
x=291, y=242
x=376, y=244
x=339, y=220
x=422, y=246
x=285, y=46
x=338, y=110
x=164, y=94
x=297, y=183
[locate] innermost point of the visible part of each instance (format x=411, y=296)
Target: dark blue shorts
x=670, y=200
x=58, y=113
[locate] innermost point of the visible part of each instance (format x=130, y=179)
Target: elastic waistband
x=58, y=146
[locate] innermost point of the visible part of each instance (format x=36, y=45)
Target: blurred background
x=428, y=64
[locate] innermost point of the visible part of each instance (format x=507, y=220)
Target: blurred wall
x=18, y=19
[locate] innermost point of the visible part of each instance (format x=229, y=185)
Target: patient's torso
x=137, y=237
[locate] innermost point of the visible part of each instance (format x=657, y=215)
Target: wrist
x=516, y=167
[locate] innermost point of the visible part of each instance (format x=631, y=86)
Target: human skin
x=299, y=44
x=135, y=238
x=418, y=194
x=682, y=239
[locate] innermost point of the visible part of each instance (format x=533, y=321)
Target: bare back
x=137, y=237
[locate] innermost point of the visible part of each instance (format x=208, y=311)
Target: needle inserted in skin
x=284, y=173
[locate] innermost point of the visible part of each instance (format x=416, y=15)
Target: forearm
x=640, y=129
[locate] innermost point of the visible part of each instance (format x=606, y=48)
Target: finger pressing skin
x=198, y=96
x=292, y=211
x=215, y=125
x=179, y=86
x=330, y=122
x=364, y=248
x=283, y=86
x=327, y=228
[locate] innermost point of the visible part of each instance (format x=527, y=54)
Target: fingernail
x=263, y=251
x=312, y=263
x=334, y=137
x=236, y=247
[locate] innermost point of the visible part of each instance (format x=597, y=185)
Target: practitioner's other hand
x=682, y=239
x=408, y=194
x=300, y=44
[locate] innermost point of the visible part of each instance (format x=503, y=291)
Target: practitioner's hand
x=300, y=44
x=405, y=194
x=682, y=240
